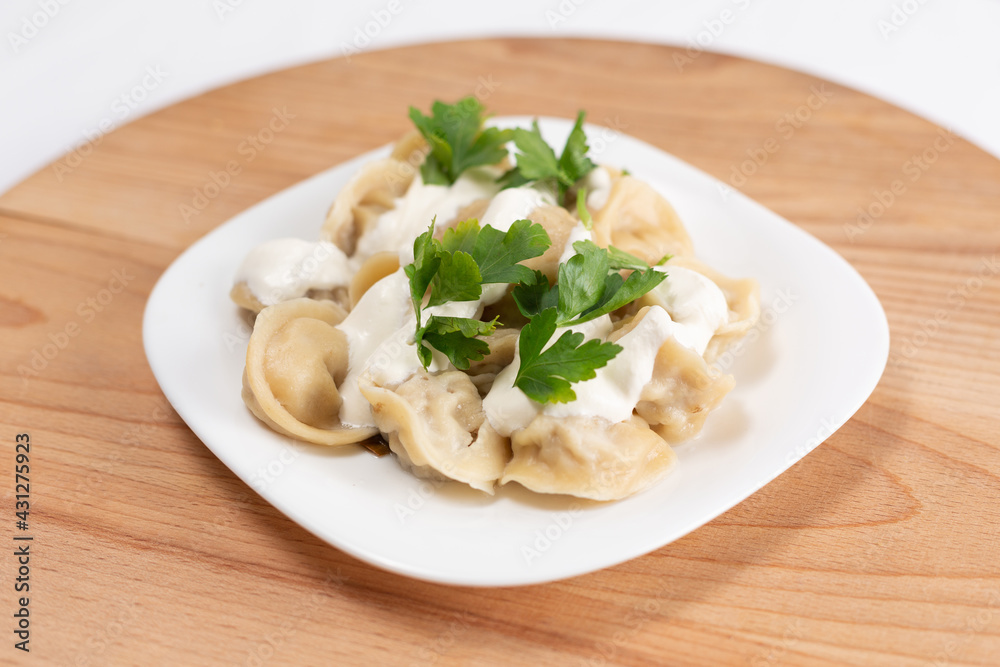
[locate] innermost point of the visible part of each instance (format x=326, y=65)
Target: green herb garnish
x=455, y=269
x=589, y=286
x=537, y=161
x=545, y=375
x=458, y=140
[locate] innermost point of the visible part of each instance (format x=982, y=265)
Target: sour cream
x=695, y=303
x=514, y=204
x=379, y=335
x=412, y=214
x=612, y=394
x=577, y=233
x=284, y=269
x=598, y=184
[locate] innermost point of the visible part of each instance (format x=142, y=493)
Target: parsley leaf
x=457, y=279
x=498, y=253
x=590, y=285
x=421, y=272
x=618, y=258
x=535, y=296
x=582, y=281
x=456, y=338
x=574, y=162
x=581, y=209
x=618, y=293
x=537, y=161
x=545, y=375
x=455, y=269
x=457, y=140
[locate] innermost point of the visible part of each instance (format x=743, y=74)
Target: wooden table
x=879, y=548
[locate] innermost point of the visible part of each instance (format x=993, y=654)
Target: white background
x=65, y=64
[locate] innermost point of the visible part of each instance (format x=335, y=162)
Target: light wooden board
x=879, y=548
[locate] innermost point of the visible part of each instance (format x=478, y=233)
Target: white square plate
x=813, y=360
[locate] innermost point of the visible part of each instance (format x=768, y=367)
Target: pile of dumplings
x=434, y=423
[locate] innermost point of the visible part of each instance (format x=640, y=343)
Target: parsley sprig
x=458, y=140
x=537, y=161
x=455, y=268
x=589, y=285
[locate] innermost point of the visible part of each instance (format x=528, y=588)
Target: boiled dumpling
x=436, y=426
x=681, y=392
x=296, y=359
x=587, y=457
x=637, y=219
x=742, y=297
x=368, y=195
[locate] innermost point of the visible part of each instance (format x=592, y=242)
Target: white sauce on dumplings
x=413, y=212
x=284, y=269
x=598, y=184
x=694, y=302
x=514, y=204
x=373, y=324
x=379, y=330
x=612, y=394
x=577, y=233
x=379, y=334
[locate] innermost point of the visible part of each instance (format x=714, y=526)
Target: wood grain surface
x=879, y=548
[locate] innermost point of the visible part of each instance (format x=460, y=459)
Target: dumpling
x=587, y=457
x=296, y=359
x=558, y=224
x=367, y=196
x=372, y=192
x=374, y=269
x=435, y=424
x=681, y=392
x=288, y=268
x=503, y=343
x=637, y=219
x=742, y=296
